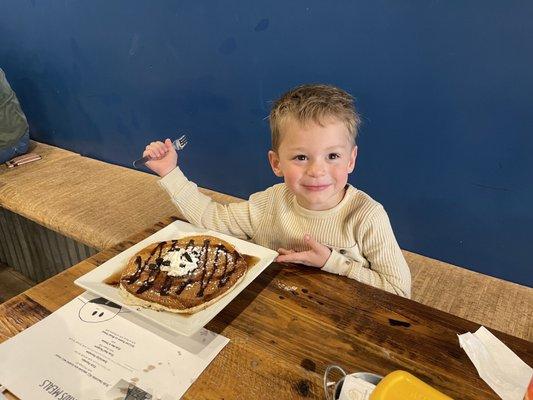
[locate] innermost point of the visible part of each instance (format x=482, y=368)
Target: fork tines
x=180, y=142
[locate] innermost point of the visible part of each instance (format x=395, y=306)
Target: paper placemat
x=90, y=346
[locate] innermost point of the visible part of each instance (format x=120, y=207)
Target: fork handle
x=141, y=161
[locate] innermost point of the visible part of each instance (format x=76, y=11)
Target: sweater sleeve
x=387, y=267
x=237, y=219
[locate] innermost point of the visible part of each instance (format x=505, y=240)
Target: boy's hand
x=164, y=157
x=316, y=256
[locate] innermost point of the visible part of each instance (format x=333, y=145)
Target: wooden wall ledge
x=96, y=203
x=100, y=205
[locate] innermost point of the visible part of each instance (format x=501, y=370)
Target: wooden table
x=293, y=321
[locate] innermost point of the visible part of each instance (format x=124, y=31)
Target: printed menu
x=92, y=348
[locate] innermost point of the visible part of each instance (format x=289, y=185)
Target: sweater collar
x=350, y=190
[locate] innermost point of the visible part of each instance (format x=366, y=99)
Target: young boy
x=315, y=217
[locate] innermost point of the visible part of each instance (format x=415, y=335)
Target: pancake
x=182, y=276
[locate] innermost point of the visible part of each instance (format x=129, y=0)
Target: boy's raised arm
x=237, y=219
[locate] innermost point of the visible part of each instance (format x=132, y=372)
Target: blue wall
x=445, y=88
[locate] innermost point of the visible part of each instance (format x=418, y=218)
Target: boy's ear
x=353, y=157
x=274, y=163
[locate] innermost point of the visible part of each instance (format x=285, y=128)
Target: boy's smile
x=315, y=161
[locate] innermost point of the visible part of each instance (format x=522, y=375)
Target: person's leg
x=17, y=149
x=22, y=145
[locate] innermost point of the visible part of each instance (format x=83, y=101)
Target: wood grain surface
x=290, y=323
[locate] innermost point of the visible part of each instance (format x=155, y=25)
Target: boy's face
x=315, y=162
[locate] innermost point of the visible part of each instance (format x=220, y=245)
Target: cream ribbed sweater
x=357, y=230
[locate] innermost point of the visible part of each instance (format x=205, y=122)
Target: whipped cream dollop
x=181, y=262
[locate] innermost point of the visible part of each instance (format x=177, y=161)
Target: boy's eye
x=300, y=157
x=333, y=156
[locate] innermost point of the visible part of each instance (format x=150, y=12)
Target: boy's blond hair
x=313, y=103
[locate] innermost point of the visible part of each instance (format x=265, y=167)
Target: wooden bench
x=91, y=205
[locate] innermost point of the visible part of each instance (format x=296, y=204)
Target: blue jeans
x=17, y=149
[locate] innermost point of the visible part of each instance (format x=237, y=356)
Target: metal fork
x=178, y=144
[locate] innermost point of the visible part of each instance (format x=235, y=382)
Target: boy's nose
x=316, y=169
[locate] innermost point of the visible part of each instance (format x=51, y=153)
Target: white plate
x=184, y=324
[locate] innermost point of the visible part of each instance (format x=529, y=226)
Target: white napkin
x=496, y=364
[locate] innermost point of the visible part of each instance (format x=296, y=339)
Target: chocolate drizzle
x=227, y=274
x=168, y=279
x=138, y=271
x=141, y=266
x=214, y=267
x=155, y=269
x=204, y=282
x=204, y=253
